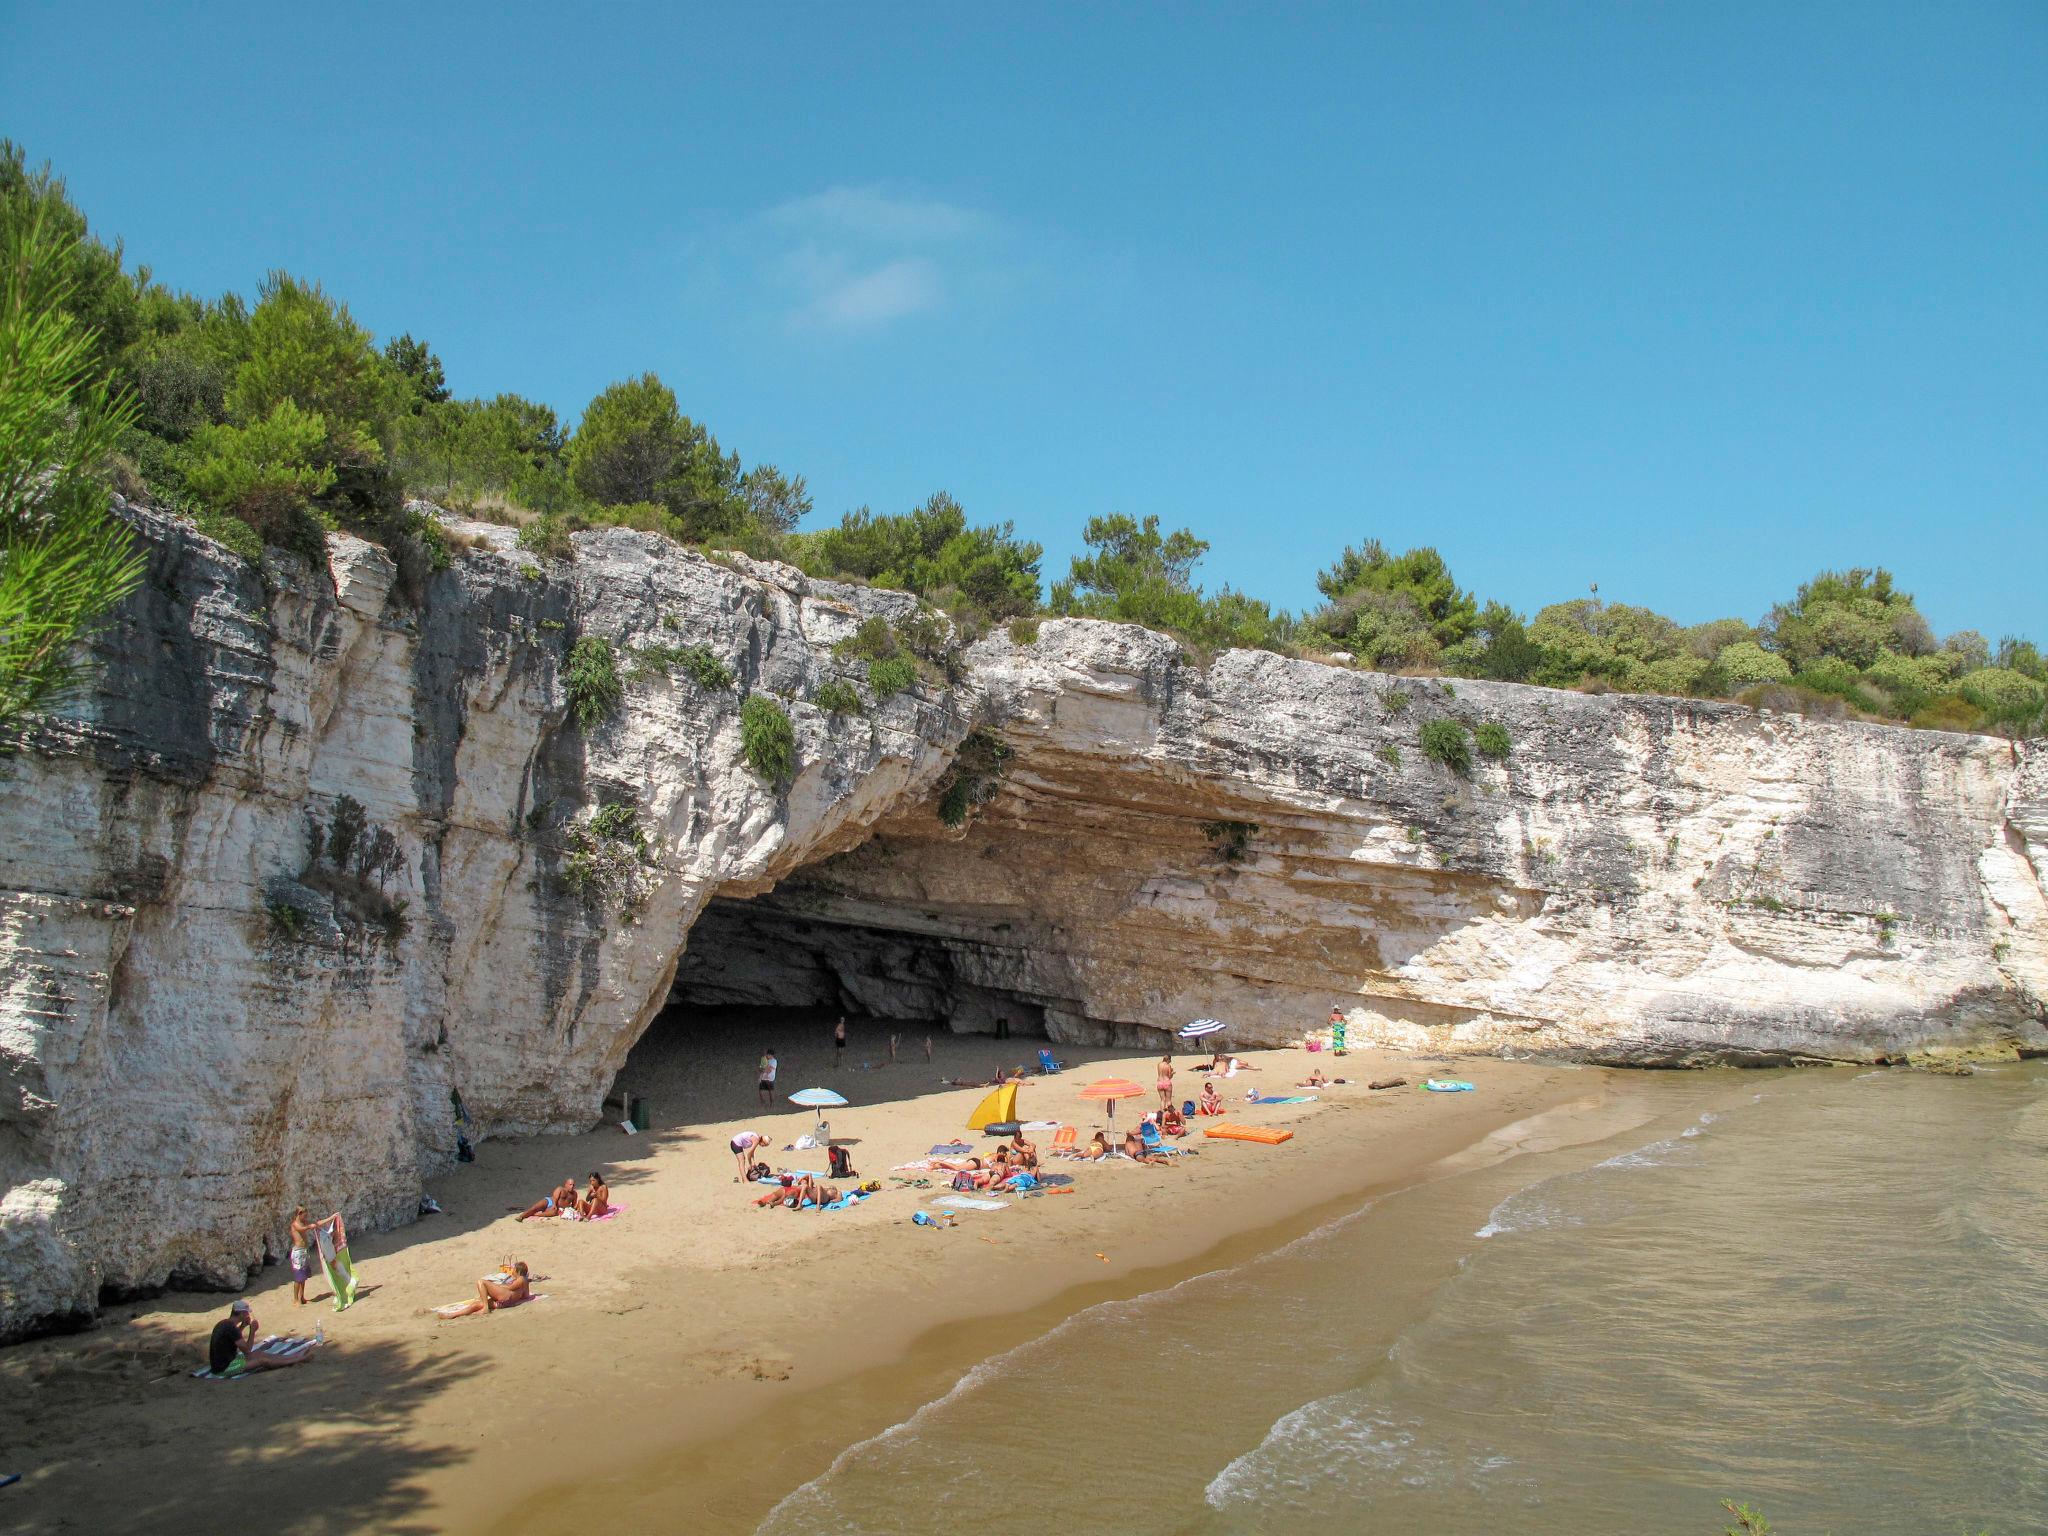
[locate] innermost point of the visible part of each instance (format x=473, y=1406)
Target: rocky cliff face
x=308, y=859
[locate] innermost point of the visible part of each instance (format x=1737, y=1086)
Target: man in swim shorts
x=559, y=1199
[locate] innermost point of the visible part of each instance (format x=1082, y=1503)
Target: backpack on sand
x=840, y=1161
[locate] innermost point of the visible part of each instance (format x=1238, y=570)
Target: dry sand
x=693, y=1314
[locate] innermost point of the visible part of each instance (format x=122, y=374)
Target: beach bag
x=1187, y=1108
x=840, y=1161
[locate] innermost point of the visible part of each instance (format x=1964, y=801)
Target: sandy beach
x=671, y=1333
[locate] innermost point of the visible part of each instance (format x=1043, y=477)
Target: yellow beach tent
x=995, y=1109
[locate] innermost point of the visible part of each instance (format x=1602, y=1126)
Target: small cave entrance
x=760, y=954
x=762, y=974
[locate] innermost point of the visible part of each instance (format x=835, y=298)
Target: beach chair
x=1063, y=1139
x=1046, y=1065
x=1155, y=1140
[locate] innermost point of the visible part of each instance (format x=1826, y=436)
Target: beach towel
x=921, y=1165
x=1041, y=1125
x=1285, y=1098
x=296, y=1351
x=1019, y=1183
x=851, y=1197
x=454, y=1308
x=969, y=1203
x=614, y=1209
x=949, y=1149
x=1447, y=1085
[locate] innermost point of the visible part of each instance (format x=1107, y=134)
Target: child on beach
x=767, y=1083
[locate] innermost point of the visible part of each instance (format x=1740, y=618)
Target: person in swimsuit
x=839, y=1043
x=491, y=1294
x=1212, y=1101
x=1135, y=1150
x=1098, y=1149
x=743, y=1146
x=958, y=1165
x=302, y=1254
x=1165, y=1080
x=1170, y=1122
x=597, y=1201
x=559, y=1199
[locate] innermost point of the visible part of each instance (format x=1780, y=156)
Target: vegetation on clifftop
x=270, y=423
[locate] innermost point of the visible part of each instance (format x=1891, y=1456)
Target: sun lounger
x=1063, y=1138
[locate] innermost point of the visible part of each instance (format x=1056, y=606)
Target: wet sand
x=697, y=1355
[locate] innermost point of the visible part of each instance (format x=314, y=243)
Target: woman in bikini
x=1165, y=1080
x=597, y=1201
x=493, y=1294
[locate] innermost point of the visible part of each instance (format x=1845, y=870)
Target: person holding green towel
x=331, y=1237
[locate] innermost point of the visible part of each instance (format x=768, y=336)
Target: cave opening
x=773, y=973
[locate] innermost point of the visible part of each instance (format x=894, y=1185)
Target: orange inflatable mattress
x=1270, y=1135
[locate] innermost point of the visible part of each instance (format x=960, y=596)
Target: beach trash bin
x=636, y=1111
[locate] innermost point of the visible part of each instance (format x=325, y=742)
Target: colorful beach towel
x=614, y=1209
x=1447, y=1085
x=1284, y=1098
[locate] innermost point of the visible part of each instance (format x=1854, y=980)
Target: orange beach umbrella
x=1109, y=1090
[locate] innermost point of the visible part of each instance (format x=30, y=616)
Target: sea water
x=1822, y=1293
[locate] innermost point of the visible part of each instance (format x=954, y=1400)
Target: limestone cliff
x=308, y=858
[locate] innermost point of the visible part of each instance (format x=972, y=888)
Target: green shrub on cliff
x=768, y=739
x=1447, y=742
x=591, y=680
x=836, y=696
x=1493, y=741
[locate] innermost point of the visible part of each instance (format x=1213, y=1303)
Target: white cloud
x=854, y=259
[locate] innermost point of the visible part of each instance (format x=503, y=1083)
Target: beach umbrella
x=817, y=1100
x=1194, y=1029
x=1109, y=1090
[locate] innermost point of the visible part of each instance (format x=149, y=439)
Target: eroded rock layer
x=316, y=852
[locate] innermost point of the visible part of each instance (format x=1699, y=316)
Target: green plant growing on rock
x=591, y=680
x=890, y=675
x=1887, y=927
x=768, y=739
x=836, y=696
x=607, y=859
x=1395, y=701
x=1748, y=1522
x=977, y=774
x=1447, y=742
x=1493, y=741
x=699, y=663
x=1390, y=755
x=548, y=537
x=1023, y=631
x=1230, y=839
x=286, y=920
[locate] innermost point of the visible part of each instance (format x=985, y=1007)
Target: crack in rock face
x=207, y=1017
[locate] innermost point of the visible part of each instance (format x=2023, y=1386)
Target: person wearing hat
x=229, y=1349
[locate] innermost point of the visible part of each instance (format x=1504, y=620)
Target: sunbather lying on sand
x=1135, y=1150
x=561, y=1198
x=959, y=1164
x=1316, y=1079
x=492, y=1293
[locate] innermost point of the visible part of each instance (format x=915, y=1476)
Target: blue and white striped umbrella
x=1200, y=1027
x=817, y=1100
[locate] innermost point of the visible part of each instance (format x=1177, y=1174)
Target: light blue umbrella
x=817, y=1100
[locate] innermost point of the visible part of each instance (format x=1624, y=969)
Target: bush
x=547, y=537
x=977, y=773
x=225, y=467
x=1948, y=713
x=1493, y=740
x=1745, y=663
x=1023, y=631
x=1448, y=743
x=768, y=739
x=607, y=859
x=1230, y=839
x=592, y=681
x=696, y=662
x=1390, y=755
x=874, y=640
x=891, y=676
x=837, y=697
x=1995, y=689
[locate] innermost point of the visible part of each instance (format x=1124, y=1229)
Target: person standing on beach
x=839, y=1043
x=743, y=1146
x=892, y=1049
x=767, y=1083
x=1166, y=1080
x=927, y=1047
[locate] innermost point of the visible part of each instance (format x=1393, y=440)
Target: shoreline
x=673, y=1335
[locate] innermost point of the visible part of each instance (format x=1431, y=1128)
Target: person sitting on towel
x=561, y=1198
x=597, y=1201
x=492, y=1294
x=1315, y=1080
x=1171, y=1123
x=1212, y=1101
x=230, y=1348
x=1022, y=1151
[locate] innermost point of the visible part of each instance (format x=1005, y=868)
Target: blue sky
x=1689, y=301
